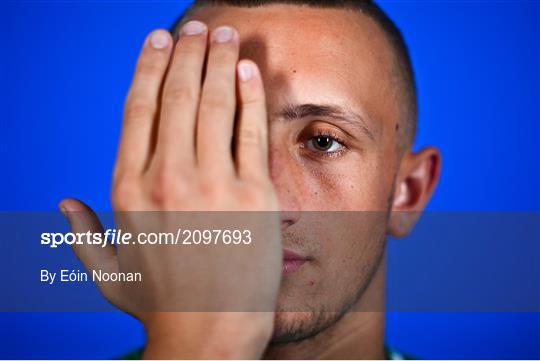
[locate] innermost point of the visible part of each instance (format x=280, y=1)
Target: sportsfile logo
x=180, y=237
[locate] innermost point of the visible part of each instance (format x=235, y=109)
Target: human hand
x=175, y=155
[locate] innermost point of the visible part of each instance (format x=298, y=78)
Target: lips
x=292, y=262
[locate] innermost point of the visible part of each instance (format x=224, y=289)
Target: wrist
x=208, y=335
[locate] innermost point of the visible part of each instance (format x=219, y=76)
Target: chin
x=297, y=326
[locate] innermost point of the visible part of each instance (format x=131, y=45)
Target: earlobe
x=415, y=182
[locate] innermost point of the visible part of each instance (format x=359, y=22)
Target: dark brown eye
x=324, y=143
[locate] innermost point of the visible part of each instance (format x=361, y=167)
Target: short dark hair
x=404, y=74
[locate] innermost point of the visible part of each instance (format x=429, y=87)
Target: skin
x=331, y=307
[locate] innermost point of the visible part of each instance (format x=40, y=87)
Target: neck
x=359, y=334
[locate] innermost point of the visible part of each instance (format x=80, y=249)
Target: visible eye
x=324, y=143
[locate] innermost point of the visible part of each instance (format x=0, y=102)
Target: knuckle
x=212, y=191
x=163, y=179
x=137, y=109
x=224, y=54
x=249, y=135
x=189, y=47
x=209, y=188
x=168, y=189
x=253, y=101
x=179, y=95
x=159, y=195
x=217, y=101
x=125, y=192
x=149, y=66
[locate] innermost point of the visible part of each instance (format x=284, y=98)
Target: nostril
x=286, y=224
x=288, y=218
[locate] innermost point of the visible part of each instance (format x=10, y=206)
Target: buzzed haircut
x=405, y=87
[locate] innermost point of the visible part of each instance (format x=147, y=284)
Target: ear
x=415, y=182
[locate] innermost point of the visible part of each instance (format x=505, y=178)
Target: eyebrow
x=298, y=111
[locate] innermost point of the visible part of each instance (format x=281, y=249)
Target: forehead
x=314, y=55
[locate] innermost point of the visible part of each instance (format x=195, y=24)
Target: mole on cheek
x=311, y=283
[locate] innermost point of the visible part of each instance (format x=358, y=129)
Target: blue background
x=66, y=67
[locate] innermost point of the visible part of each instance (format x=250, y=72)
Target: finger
x=218, y=103
x=141, y=105
x=176, y=136
x=82, y=219
x=252, y=129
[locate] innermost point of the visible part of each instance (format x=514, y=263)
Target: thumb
x=102, y=257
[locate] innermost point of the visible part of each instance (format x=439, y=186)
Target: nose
x=288, y=218
x=286, y=183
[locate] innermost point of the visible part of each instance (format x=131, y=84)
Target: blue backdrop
x=66, y=67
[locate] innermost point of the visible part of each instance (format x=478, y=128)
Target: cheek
x=349, y=245
x=353, y=253
x=352, y=183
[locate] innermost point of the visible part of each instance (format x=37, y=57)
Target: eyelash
x=333, y=137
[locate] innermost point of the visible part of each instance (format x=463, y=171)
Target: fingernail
x=63, y=210
x=223, y=34
x=193, y=28
x=159, y=40
x=245, y=71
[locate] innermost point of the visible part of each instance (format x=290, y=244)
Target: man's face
x=332, y=125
